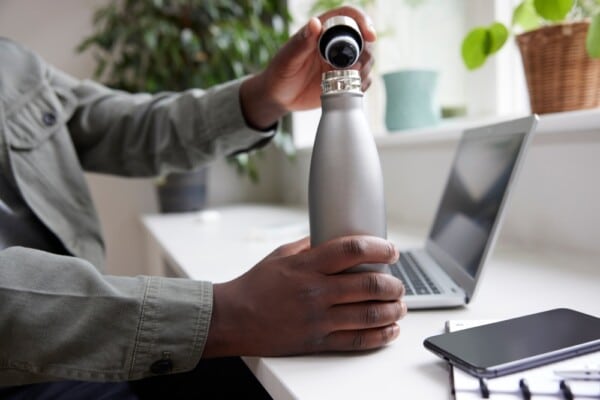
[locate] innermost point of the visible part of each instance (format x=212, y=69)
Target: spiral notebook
x=542, y=382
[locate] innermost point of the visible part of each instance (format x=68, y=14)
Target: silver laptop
x=445, y=272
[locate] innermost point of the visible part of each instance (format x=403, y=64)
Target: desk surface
x=514, y=282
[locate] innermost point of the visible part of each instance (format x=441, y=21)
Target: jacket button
x=161, y=367
x=49, y=118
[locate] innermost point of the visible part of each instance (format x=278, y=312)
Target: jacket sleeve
x=144, y=135
x=67, y=321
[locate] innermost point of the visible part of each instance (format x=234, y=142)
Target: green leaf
x=553, y=10
x=498, y=35
x=150, y=39
x=475, y=47
x=592, y=42
x=322, y=5
x=100, y=67
x=526, y=17
x=481, y=42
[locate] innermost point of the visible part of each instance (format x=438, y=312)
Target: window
x=428, y=34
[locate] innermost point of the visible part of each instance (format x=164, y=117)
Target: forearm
x=61, y=319
x=143, y=135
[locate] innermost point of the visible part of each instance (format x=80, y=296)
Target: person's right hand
x=292, y=80
x=296, y=301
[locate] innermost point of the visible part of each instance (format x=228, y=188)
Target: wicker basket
x=560, y=75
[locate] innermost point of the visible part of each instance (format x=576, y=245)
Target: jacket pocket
x=43, y=112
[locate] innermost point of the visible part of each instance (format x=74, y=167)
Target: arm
x=139, y=134
x=143, y=135
x=61, y=319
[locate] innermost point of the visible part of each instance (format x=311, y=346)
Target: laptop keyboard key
x=416, y=281
x=400, y=275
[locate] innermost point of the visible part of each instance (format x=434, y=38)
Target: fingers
x=364, y=66
x=366, y=84
x=362, y=316
x=366, y=61
x=340, y=254
x=365, y=339
x=304, y=42
x=367, y=286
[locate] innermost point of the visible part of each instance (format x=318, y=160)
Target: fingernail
x=370, y=26
x=404, y=309
x=395, y=331
x=305, y=32
x=395, y=254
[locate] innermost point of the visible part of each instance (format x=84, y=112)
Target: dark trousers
x=222, y=378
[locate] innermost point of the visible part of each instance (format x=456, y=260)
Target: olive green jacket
x=60, y=317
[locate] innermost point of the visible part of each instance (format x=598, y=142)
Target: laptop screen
x=473, y=195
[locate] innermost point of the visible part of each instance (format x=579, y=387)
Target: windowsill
x=564, y=123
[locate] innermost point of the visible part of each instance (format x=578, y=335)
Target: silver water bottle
x=345, y=194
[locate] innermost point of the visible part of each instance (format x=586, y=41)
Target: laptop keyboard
x=416, y=281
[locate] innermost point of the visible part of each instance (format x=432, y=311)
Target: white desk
x=221, y=244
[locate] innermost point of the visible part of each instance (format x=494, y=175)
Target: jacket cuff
x=227, y=122
x=174, y=323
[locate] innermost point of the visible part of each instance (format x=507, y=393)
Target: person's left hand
x=292, y=80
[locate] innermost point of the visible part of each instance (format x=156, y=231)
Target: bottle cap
x=341, y=43
x=338, y=81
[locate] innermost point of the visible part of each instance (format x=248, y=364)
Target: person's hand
x=296, y=301
x=292, y=81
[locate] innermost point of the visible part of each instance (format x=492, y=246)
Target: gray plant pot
x=183, y=192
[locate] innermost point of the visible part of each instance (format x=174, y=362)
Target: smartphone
x=516, y=344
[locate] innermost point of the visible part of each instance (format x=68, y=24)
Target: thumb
x=303, y=44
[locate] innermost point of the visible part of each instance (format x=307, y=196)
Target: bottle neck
x=341, y=81
x=341, y=89
x=341, y=101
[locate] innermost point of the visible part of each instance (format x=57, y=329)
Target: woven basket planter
x=560, y=75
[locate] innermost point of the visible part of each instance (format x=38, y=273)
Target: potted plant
x=411, y=93
x=559, y=41
x=173, y=45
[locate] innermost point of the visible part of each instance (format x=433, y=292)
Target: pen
x=583, y=374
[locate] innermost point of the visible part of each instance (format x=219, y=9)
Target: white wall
x=53, y=29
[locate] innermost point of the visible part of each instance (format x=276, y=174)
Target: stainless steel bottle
x=345, y=194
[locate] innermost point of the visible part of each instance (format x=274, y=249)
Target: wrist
x=216, y=340
x=224, y=338
x=259, y=108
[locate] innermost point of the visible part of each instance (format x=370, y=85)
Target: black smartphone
x=517, y=344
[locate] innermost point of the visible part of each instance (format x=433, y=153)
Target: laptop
x=445, y=272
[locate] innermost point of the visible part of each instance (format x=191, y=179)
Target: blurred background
x=414, y=35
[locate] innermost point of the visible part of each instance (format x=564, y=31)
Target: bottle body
x=346, y=193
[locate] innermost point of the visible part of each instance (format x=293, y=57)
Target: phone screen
x=520, y=343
